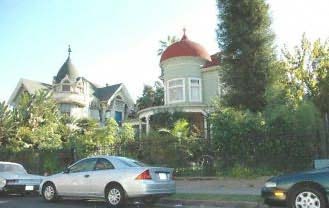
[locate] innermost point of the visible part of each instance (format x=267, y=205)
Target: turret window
x=176, y=90
x=66, y=87
x=195, y=89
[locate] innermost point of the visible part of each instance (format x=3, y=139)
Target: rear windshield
x=12, y=168
x=131, y=163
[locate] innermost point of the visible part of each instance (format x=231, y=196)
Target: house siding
x=185, y=70
x=210, y=85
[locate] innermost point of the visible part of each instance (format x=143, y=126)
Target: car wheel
x=115, y=196
x=307, y=197
x=49, y=192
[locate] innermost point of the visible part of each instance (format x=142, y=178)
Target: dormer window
x=66, y=86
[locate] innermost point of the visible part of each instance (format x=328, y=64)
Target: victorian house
x=78, y=97
x=191, y=81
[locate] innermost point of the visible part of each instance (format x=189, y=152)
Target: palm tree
x=164, y=44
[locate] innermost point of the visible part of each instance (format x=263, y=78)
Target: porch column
x=147, y=119
x=205, y=126
x=140, y=127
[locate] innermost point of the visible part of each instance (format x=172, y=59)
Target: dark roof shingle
x=105, y=93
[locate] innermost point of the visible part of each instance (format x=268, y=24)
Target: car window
x=131, y=163
x=84, y=165
x=12, y=168
x=103, y=164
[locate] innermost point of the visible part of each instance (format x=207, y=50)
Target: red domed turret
x=185, y=47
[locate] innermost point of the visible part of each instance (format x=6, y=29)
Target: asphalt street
x=14, y=201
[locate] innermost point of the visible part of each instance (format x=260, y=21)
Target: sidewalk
x=220, y=185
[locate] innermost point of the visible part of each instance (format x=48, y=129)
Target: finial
x=69, y=50
x=184, y=34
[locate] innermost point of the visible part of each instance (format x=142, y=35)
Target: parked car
x=307, y=189
x=111, y=177
x=14, y=178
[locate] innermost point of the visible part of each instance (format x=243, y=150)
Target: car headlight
x=2, y=182
x=270, y=184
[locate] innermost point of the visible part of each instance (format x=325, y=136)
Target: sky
x=116, y=41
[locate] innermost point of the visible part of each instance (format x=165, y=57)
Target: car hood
x=298, y=174
x=12, y=175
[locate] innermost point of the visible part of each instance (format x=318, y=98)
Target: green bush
x=283, y=138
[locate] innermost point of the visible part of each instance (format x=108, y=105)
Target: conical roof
x=67, y=69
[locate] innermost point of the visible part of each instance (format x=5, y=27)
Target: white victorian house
x=191, y=81
x=80, y=98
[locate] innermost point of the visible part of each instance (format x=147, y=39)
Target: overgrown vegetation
x=273, y=115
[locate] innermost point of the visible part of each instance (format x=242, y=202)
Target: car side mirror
x=66, y=170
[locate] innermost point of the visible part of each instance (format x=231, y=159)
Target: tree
x=165, y=43
x=246, y=39
x=39, y=121
x=7, y=125
x=308, y=72
x=152, y=96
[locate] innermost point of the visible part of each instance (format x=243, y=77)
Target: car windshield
x=12, y=168
x=131, y=163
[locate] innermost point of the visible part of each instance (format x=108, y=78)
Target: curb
x=212, y=203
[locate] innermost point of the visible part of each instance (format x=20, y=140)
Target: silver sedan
x=14, y=178
x=114, y=178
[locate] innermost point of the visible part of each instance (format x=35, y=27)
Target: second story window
x=176, y=90
x=195, y=90
x=66, y=87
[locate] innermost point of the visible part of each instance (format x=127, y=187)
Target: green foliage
x=169, y=150
x=111, y=133
x=281, y=138
x=246, y=40
x=239, y=171
x=307, y=67
x=181, y=129
x=39, y=122
x=152, y=96
x=126, y=133
x=167, y=120
x=50, y=164
x=164, y=44
x=7, y=126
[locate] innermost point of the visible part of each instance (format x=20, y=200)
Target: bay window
x=195, y=89
x=176, y=90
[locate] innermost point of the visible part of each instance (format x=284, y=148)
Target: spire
x=67, y=69
x=69, y=50
x=184, y=34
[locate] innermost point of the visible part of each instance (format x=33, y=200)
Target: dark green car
x=307, y=189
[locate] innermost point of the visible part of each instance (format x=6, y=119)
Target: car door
x=101, y=176
x=78, y=179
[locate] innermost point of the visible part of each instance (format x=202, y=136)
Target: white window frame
x=66, y=83
x=168, y=90
x=190, y=89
